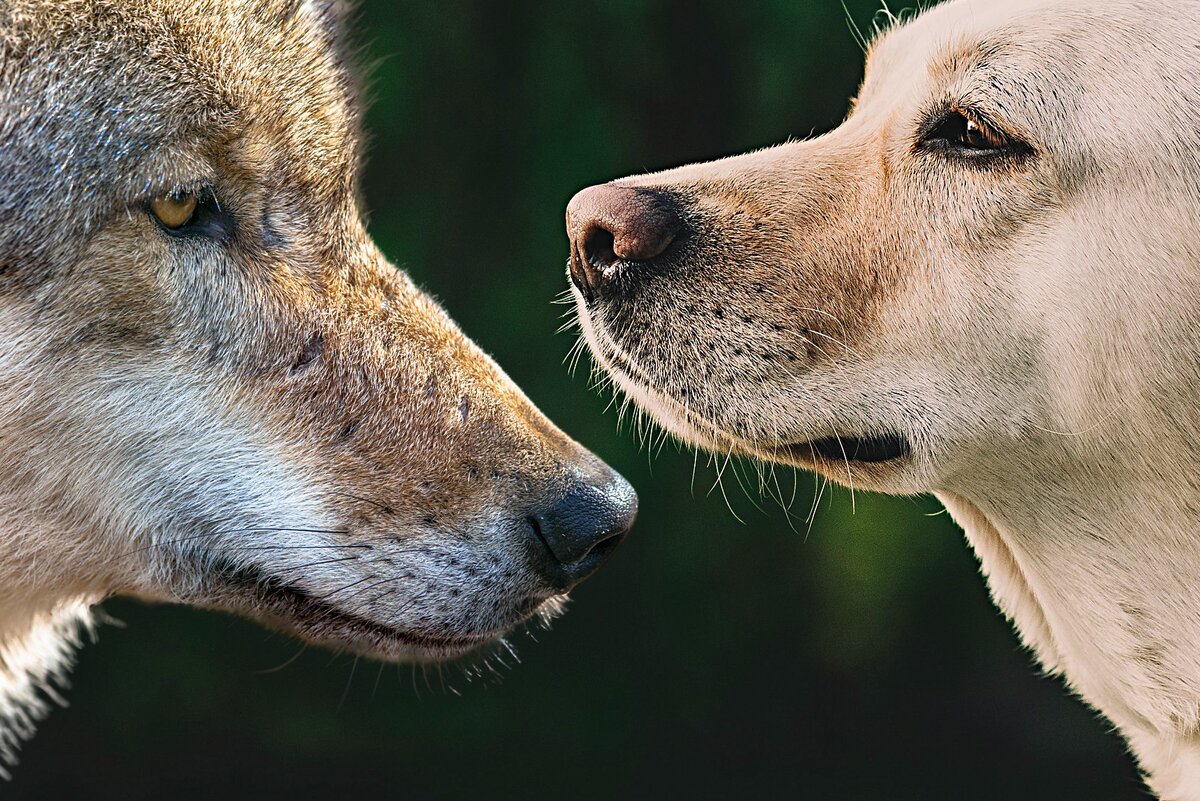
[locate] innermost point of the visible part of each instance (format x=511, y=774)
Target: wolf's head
x=213, y=387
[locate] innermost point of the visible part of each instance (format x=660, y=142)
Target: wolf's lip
x=878, y=449
x=314, y=617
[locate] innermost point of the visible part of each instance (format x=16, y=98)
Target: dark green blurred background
x=710, y=659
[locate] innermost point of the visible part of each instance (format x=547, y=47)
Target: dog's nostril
x=597, y=248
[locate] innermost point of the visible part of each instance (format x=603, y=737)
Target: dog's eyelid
x=968, y=132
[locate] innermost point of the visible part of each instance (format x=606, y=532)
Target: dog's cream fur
x=1031, y=327
x=261, y=416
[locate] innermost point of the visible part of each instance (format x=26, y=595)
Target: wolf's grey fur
x=259, y=414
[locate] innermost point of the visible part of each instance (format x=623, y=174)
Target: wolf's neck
x=36, y=652
x=48, y=584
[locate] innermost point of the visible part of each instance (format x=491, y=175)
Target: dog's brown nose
x=610, y=224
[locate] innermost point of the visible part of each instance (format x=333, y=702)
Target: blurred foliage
x=858, y=659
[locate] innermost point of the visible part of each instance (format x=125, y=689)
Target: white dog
x=985, y=284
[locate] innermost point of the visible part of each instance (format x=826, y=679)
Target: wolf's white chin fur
x=33, y=667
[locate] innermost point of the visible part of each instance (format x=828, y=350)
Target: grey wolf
x=214, y=389
x=984, y=284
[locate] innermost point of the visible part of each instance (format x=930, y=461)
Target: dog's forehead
x=948, y=40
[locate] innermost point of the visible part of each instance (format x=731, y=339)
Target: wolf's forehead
x=279, y=66
x=210, y=75
x=104, y=103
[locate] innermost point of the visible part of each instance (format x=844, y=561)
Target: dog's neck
x=1097, y=563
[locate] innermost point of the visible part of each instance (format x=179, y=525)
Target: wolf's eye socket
x=174, y=211
x=192, y=215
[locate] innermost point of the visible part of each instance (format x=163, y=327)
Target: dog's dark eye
x=191, y=214
x=965, y=134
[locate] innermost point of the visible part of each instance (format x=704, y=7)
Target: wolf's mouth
x=309, y=617
x=312, y=617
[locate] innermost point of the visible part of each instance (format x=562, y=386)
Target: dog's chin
x=295, y=611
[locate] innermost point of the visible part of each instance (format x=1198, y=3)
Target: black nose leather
x=577, y=533
x=611, y=224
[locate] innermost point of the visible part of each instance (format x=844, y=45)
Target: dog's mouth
x=885, y=449
x=880, y=449
x=311, y=618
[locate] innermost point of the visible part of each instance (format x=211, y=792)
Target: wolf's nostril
x=609, y=224
x=535, y=525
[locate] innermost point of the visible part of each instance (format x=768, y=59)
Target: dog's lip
x=883, y=450
x=869, y=449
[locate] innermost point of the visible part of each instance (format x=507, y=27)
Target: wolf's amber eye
x=174, y=211
x=194, y=214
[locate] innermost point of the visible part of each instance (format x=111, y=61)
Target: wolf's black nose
x=609, y=224
x=577, y=533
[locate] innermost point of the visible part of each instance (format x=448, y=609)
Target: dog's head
x=214, y=388
x=943, y=276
